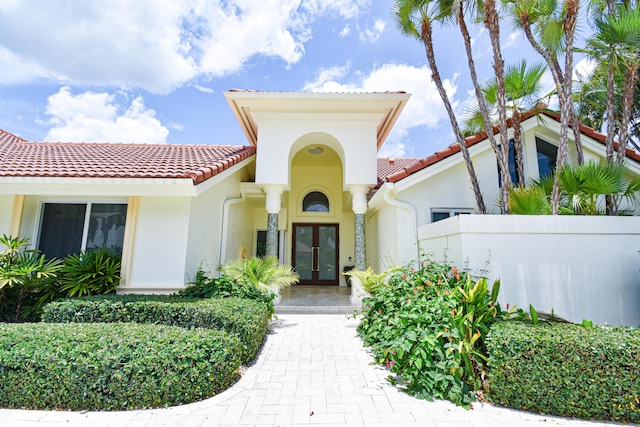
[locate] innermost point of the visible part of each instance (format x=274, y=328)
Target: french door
x=315, y=253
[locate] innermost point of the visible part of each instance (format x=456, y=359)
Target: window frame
x=281, y=242
x=305, y=193
x=37, y=230
x=451, y=211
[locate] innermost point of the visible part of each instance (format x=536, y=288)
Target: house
x=307, y=186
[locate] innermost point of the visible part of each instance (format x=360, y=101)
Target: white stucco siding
x=216, y=234
x=355, y=144
x=579, y=267
x=160, y=245
x=384, y=224
x=7, y=207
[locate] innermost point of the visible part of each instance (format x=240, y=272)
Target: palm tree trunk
x=627, y=103
x=569, y=27
x=488, y=127
x=611, y=71
x=518, y=147
x=492, y=23
x=558, y=78
x=427, y=40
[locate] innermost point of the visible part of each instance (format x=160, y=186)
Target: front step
x=316, y=309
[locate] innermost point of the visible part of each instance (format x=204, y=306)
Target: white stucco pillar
x=273, y=203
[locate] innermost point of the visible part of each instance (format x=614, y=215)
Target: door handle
x=315, y=251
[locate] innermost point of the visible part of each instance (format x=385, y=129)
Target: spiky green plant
x=265, y=274
x=96, y=271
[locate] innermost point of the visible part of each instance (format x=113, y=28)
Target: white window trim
x=88, y=202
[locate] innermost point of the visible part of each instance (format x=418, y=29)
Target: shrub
x=112, y=366
x=244, y=318
x=96, y=271
x=265, y=274
x=566, y=370
x=428, y=327
x=204, y=286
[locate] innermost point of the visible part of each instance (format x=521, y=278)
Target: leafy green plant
x=23, y=272
x=528, y=200
x=265, y=274
x=371, y=282
x=113, y=366
x=428, y=327
x=205, y=286
x=96, y=271
x=566, y=370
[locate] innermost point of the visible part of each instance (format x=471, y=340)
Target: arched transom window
x=315, y=201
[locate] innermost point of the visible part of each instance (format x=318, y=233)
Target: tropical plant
x=428, y=327
x=415, y=18
x=96, y=271
x=371, y=282
x=265, y=274
x=22, y=271
x=584, y=188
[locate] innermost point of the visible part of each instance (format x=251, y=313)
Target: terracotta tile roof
x=19, y=157
x=419, y=164
x=391, y=166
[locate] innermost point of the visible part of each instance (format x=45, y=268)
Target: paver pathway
x=311, y=371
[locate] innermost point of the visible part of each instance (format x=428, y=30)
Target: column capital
x=359, y=198
x=274, y=196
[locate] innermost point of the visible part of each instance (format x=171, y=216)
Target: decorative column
x=359, y=205
x=274, y=195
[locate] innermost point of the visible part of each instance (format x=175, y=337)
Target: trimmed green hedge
x=566, y=370
x=244, y=318
x=112, y=366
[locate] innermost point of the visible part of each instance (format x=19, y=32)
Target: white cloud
x=424, y=109
x=584, y=68
x=327, y=75
x=97, y=117
x=344, y=32
x=512, y=39
x=372, y=35
x=157, y=45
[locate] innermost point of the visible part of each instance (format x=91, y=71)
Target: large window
x=513, y=170
x=68, y=228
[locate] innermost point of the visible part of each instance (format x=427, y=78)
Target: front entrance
x=315, y=253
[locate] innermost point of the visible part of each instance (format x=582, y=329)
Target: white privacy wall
x=581, y=267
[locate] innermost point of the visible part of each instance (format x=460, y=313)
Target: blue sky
x=155, y=70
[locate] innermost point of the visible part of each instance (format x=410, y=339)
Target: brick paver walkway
x=311, y=371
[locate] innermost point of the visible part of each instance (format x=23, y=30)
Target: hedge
x=566, y=370
x=244, y=318
x=112, y=366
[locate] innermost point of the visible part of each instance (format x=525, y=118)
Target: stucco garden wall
x=581, y=267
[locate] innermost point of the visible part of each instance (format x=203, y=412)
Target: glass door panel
x=303, y=251
x=327, y=239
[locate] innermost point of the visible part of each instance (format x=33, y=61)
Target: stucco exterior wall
x=160, y=245
x=209, y=223
x=10, y=207
x=579, y=267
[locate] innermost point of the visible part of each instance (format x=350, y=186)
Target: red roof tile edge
x=472, y=140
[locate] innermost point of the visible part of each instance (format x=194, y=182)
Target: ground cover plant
x=112, y=366
x=428, y=326
x=568, y=370
x=246, y=319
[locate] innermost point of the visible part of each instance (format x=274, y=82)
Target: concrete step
x=316, y=309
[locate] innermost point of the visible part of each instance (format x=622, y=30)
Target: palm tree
x=522, y=86
x=415, y=18
x=265, y=274
x=617, y=39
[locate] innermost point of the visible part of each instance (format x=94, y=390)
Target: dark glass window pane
x=327, y=253
x=261, y=243
x=439, y=216
x=304, y=251
x=62, y=227
x=513, y=171
x=106, y=226
x=547, y=156
x=315, y=202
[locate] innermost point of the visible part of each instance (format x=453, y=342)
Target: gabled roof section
x=21, y=158
x=390, y=166
x=245, y=103
x=419, y=164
